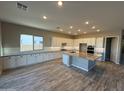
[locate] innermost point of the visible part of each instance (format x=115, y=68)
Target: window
x=26, y=42
x=38, y=42
x=30, y=42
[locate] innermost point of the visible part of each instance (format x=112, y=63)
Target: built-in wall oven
x=90, y=49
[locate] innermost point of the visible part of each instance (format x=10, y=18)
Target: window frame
x=21, y=41
x=33, y=43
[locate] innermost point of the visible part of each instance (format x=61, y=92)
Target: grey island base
x=81, y=60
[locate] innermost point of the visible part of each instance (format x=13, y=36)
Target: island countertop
x=85, y=55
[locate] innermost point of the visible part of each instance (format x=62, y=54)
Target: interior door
x=108, y=49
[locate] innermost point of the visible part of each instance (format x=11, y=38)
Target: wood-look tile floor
x=55, y=76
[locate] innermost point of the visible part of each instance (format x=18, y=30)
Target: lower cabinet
x=38, y=58
x=9, y=62
x=66, y=59
x=21, y=61
x=24, y=60
x=31, y=59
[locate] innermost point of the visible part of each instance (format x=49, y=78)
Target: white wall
x=114, y=50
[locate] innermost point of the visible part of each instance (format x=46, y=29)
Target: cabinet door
x=44, y=57
x=66, y=60
x=49, y=55
x=38, y=58
x=21, y=61
x=53, y=55
x=91, y=41
x=35, y=58
x=41, y=57
x=76, y=43
x=88, y=41
x=99, y=42
x=6, y=63
x=85, y=40
x=30, y=59
x=10, y=62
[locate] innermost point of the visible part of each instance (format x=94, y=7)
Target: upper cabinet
x=77, y=42
x=89, y=41
x=99, y=42
x=57, y=42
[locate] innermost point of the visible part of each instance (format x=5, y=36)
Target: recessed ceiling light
x=60, y=3
x=61, y=30
x=93, y=27
x=44, y=17
x=98, y=30
x=84, y=32
x=71, y=27
x=79, y=30
x=87, y=22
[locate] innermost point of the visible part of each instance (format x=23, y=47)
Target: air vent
x=22, y=6
x=57, y=27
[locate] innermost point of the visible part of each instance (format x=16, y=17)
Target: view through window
x=38, y=42
x=30, y=42
x=26, y=42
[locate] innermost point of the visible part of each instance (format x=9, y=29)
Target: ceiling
x=105, y=15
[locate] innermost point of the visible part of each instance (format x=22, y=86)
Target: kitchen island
x=81, y=60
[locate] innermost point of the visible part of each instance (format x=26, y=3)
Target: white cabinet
x=50, y=56
x=77, y=42
x=65, y=59
x=31, y=59
x=36, y=58
x=14, y=61
x=24, y=60
x=57, y=42
x=21, y=60
x=53, y=56
x=99, y=42
x=45, y=57
x=39, y=58
x=10, y=62
x=89, y=41
x=84, y=40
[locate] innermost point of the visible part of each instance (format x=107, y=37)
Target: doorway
x=111, y=49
